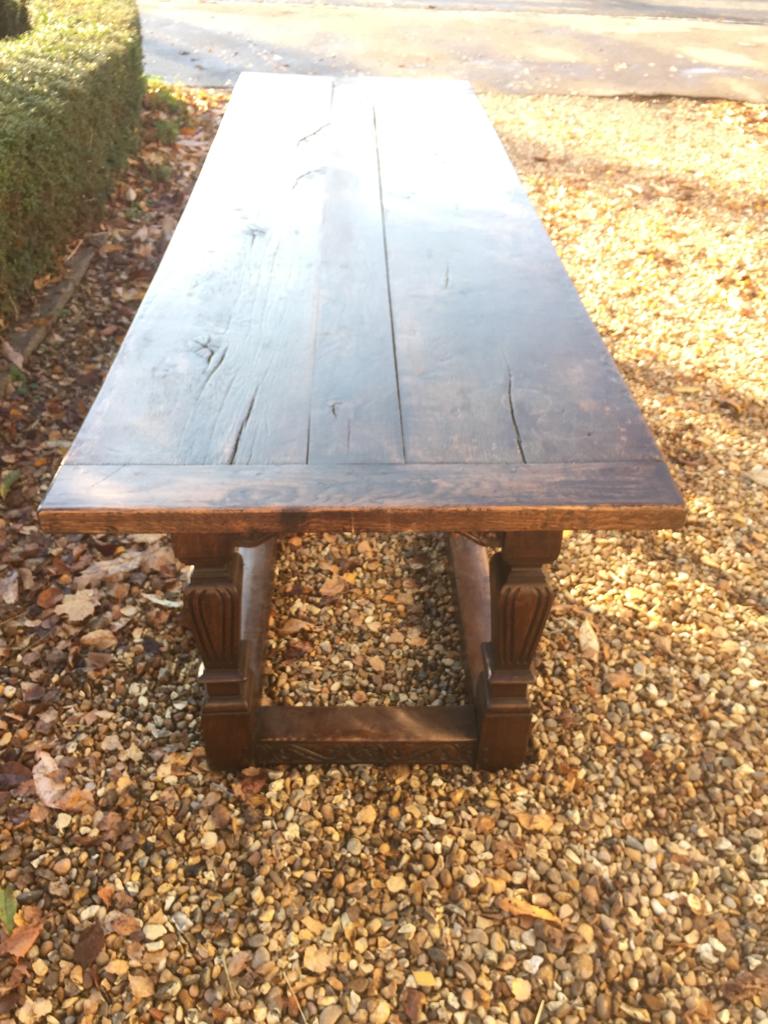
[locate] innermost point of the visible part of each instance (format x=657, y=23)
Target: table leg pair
x=503, y=608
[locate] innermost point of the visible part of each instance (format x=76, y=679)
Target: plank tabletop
x=361, y=322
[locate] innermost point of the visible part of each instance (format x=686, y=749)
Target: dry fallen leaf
x=12, y=774
x=747, y=984
x=99, y=639
x=78, y=606
x=109, y=569
x=522, y=908
x=21, y=940
x=237, y=963
x=9, y=587
x=292, y=626
x=53, y=791
x=619, y=680
x=122, y=924
x=12, y=982
x=89, y=945
x=161, y=559
x=588, y=642
x=411, y=1003
x=535, y=822
x=48, y=597
x=333, y=586
x=316, y=959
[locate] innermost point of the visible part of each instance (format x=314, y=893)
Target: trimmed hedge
x=13, y=17
x=70, y=97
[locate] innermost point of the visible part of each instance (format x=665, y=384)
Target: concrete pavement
x=512, y=50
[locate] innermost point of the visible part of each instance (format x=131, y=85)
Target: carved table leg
x=521, y=599
x=212, y=603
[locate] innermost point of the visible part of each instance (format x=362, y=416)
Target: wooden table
x=360, y=324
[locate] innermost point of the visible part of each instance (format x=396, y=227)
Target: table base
x=503, y=607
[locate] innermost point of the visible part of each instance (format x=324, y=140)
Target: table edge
x=294, y=498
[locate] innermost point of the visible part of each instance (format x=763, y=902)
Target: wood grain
x=231, y=499
x=361, y=323
x=355, y=405
x=217, y=365
x=364, y=735
x=469, y=562
x=497, y=355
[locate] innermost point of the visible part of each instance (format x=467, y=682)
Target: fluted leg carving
x=521, y=599
x=212, y=604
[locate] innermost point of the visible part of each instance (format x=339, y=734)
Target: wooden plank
x=497, y=357
x=473, y=596
x=364, y=735
x=217, y=366
x=258, y=576
x=241, y=499
x=355, y=405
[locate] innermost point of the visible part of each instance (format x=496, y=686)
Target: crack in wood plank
x=514, y=418
x=242, y=427
x=389, y=286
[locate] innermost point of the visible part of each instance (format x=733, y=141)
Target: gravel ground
x=621, y=876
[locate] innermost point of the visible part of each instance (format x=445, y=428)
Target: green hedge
x=13, y=17
x=70, y=97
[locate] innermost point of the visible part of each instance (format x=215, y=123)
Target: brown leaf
x=89, y=945
x=333, y=586
x=237, y=963
x=79, y=606
x=9, y=587
x=77, y=801
x=12, y=774
x=316, y=959
x=291, y=626
x=99, y=639
x=746, y=985
x=411, y=1003
x=620, y=680
x=538, y=822
x=522, y=908
x=52, y=790
x=49, y=597
x=161, y=559
x=105, y=893
x=10, y=1000
x=588, y=642
x=21, y=940
x=48, y=779
x=12, y=982
x=122, y=924
x=32, y=692
x=109, y=569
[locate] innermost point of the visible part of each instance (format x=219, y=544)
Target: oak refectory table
x=360, y=324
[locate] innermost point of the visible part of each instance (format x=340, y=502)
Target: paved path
x=514, y=49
